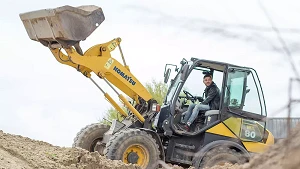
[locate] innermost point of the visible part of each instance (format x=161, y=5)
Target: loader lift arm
x=98, y=59
x=62, y=29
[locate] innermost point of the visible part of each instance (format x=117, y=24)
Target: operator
x=211, y=102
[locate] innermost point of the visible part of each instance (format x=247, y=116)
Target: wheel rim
x=97, y=146
x=94, y=144
x=136, y=154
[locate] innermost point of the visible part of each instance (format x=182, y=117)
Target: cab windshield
x=174, y=85
x=172, y=88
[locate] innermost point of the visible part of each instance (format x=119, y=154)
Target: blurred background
x=45, y=100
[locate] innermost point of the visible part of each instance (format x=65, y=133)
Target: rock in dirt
x=17, y=152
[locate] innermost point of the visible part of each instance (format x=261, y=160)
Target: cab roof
x=216, y=65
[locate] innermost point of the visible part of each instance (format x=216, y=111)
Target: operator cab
x=192, y=92
x=240, y=95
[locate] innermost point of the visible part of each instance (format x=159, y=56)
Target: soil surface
x=18, y=152
x=282, y=155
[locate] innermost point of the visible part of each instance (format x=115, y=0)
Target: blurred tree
x=112, y=114
x=157, y=89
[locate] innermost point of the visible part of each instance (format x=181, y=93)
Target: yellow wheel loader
x=149, y=132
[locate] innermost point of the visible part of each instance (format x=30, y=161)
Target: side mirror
x=167, y=75
x=184, y=72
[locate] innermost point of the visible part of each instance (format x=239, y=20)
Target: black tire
x=90, y=137
x=130, y=144
x=221, y=155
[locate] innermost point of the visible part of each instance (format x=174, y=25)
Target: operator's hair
x=207, y=75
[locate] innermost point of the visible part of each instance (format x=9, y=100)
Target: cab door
x=244, y=103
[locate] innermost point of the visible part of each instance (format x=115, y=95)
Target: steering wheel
x=189, y=96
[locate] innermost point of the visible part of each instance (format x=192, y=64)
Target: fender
x=157, y=138
x=200, y=154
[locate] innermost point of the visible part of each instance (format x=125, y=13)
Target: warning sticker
x=109, y=63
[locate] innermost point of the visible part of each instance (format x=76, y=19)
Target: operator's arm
x=211, y=94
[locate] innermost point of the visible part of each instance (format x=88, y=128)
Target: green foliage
x=158, y=90
x=188, y=102
x=112, y=114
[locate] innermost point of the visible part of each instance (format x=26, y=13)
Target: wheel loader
x=149, y=132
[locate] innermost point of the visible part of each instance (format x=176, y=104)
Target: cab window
x=242, y=92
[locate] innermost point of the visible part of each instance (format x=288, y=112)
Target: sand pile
x=17, y=152
x=283, y=155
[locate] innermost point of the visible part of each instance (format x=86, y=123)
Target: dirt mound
x=17, y=152
x=282, y=155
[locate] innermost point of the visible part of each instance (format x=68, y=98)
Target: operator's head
x=207, y=79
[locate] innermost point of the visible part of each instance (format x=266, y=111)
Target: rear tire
x=133, y=146
x=90, y=137
x=221, y=155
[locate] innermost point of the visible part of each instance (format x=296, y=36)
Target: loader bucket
x=66, y=25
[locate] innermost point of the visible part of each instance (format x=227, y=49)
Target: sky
x=45, y=100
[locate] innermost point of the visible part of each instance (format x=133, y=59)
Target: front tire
x=133, y=146
x=90, y=137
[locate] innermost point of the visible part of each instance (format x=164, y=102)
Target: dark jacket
x=212, y=96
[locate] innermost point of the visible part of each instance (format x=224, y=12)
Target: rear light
x=155, y=107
